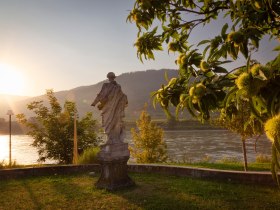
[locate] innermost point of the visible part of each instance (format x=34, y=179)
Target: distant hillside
x=136, y=85
x=9, y=102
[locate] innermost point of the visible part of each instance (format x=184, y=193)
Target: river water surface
x=191, y=145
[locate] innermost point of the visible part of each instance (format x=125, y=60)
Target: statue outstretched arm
x=96, y=100
x=100, y=96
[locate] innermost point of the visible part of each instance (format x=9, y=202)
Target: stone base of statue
x=113, y=161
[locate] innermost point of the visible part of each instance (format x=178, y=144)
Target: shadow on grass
x=32, y=195
x=169, y=192
x=151, y=192
x=166, y=192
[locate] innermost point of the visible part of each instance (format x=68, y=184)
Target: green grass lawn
x=152, y=192
x=237, y=166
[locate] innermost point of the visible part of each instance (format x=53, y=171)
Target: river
x=191, y=145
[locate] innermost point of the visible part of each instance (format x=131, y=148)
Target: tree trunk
x=244, y=154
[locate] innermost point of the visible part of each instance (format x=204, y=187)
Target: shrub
x=52, y=129
x=89, y=156
x=149, y=146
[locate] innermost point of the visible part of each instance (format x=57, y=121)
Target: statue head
x=111, y=76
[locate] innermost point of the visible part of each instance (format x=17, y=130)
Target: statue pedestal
x=113, y=161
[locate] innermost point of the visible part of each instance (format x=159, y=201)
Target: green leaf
x=205, y=50
x=219, y=69
x=277, y=48
x=244, y=49
x=255, y=111
x=155, y=101
x=259, y=104
x=271, y=106
x=229, y=96
x=224, y=29
x=203, y=42
x=215, y=55
x=209, y=74
x=165, y=28
x=175, y=35
x=191, y=108
x=232, y=52
x=222, y=62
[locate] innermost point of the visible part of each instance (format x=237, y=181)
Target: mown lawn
x=237, y=166
x=152, y=192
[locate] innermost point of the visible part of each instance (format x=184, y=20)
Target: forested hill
x=136, y=85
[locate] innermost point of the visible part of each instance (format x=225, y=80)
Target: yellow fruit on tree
x=243, y=81
x=200, y=90
x=197, y=91
x=204, y=66
x=257, y=68
x=191, y=91
x=180, y=59
x=272, y=128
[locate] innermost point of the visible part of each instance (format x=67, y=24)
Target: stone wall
x=262, y=178
x=250, y=177
x=46, y=171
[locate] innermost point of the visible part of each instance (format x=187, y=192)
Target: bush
x=89, y=156
x=149, y=146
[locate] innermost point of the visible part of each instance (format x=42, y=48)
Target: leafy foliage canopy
x=53, y=127
x=204, y=84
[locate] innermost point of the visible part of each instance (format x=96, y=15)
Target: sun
x=12, y=81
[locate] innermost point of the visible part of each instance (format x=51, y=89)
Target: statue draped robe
x=112, y=104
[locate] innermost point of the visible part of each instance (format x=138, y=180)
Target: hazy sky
x=62, y=44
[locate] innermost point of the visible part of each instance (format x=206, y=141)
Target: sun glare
x=12, y=81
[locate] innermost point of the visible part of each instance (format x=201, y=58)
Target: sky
x=63, y=44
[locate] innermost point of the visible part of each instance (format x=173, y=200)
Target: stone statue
x=114, y=154
x=112, y=104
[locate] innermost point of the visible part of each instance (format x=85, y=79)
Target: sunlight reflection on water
x=22, y=151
